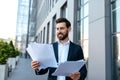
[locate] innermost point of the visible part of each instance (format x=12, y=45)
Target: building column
x=99, y=63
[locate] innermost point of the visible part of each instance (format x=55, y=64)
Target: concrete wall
x=3, y=72
x=99, y=40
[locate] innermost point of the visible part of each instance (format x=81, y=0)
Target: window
x=54, y=28
x=41, y=37
x=44, y=35
x=116, y=16
x=48, y=30
x=82, y=26
x=116, y=55
x=115, y=29
x=64, y=10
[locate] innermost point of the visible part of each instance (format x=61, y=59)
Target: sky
x=8, y=17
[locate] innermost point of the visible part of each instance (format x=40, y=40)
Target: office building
x=22, y=25
x=95, y=26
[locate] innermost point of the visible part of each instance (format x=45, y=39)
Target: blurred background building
x=95, y=26
x=22, y=25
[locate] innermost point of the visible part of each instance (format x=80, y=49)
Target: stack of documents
x=44, y=53
x=68, y=67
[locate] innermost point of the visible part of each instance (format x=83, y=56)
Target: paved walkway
x=23, y=71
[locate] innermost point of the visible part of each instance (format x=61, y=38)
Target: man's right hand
x=35, y=65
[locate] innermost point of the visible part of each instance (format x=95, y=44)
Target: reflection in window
x=115, y=22
x=116, y=51
x=41, y=37
x=48, y=30
x=19, y=38
x=82, y=25
x=44, y=35
x=116, y=16
x=86, y=28
x=86, y=10
x=54, y=28
x=85, y=49
x=64, y=10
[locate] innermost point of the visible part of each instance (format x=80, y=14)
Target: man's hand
x=35, y=64
x=74, y=76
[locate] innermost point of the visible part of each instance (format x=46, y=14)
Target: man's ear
x=69, y=29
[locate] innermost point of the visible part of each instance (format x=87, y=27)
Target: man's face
x=62, y=31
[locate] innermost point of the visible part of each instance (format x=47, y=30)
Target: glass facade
x=115, y=15
x=64, y=10
x=53, y=37
x=82, y=25
x=22, y=24
x=44, y=35
x=48, y=30
x=32, y=21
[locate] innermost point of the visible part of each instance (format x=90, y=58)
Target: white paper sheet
x=43, y=53
x=64, y=69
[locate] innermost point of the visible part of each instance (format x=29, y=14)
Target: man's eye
x=61, y=28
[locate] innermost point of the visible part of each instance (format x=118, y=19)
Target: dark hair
x=59, y=20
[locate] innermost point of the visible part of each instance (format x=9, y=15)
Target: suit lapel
x=55, y=47
x=70, y=51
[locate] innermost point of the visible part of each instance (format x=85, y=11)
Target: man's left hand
x=74, y=76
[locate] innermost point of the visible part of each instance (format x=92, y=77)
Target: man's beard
x=62, y=36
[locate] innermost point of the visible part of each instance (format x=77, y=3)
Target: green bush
x=17, y=52
x=12, y=51
x=3, y=51
x=7, y=50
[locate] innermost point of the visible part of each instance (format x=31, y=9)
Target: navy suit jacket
x=75, y=53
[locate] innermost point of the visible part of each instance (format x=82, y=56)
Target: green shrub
x=12, y=51
x=3, y=51
x=7, y=50
x=17, y=52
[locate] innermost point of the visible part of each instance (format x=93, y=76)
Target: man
x=65, y=50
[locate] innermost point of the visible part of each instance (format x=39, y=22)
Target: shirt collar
x=66, y=43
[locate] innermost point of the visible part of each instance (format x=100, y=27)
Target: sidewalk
x=23, y=71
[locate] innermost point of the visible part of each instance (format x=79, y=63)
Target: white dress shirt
x=62, y=55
